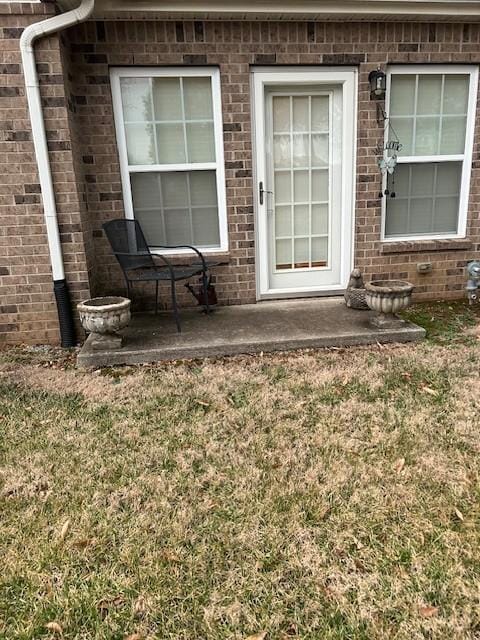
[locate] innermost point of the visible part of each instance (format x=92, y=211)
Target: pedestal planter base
x=386, y=297
x=103, y=318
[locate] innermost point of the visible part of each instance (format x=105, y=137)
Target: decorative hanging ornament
x=387, y=159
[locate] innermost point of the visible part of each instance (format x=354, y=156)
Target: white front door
x=305, y=156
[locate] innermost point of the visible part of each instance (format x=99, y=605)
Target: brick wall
x=234, y=46
x=85, y=163
x=27, y=306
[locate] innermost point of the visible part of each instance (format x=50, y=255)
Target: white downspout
x=32, y=86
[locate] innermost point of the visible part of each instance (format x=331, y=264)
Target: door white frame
x=261, y=78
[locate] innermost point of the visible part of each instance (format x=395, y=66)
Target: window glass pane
x=453, y=135
x=402, y=95
x=281, y=114
x=152, y=226
x=170, y=143
x=421, y=219
x=140, y=144
x=203, y=188
x=283, y=221
x=396, y=222
x=429, y=96
x=166, y=99
x=177, y=226
x=320, y=113
x=403, y=128
x=145, y=190
x=455, y=97
x=206, y=232
x=197, y=93
x=427, y=199
x=301, y=120
x=449, y=175
x=136, y=99
x=301, y=223
x=174, y=189
x=200, y=142
x=426, y=136
x=446, y=214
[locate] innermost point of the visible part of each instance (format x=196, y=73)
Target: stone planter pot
x=388, y=297
x=103, y=318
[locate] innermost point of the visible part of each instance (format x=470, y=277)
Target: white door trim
x=261, y=78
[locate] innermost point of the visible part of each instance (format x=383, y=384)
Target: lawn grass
x=318, y=495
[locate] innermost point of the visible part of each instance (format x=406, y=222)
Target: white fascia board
x=445, y=10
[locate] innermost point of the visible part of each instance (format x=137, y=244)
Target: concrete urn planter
x=388, y=297
x=103, y=318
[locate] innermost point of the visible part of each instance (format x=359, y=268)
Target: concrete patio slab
x=266, y=326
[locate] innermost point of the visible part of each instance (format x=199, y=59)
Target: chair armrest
x=184, y=246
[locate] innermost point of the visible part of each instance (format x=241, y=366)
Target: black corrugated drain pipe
x=65, y=314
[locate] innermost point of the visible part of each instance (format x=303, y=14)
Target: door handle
x=261, y=191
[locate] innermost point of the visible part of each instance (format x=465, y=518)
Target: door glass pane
x=281, y=151
x=197, y=94
x=320, y=219
x=281, y=114
x=302, y=253
x=283, y=221
x=301, y=186
x=301, y=120
x=284, y=254
x=167, y=99
x=320, y=113
x=303, y=144
x=302, y=220
x=319, y=252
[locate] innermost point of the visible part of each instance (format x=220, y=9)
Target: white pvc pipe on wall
x=27, y=41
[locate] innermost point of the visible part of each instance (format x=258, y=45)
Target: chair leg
x=175, y=306
x=156, y=297
x=205, y=292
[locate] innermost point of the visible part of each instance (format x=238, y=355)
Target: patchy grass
x=317, y=495
x=446, y=323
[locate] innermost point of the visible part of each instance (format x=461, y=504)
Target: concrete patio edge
x=89, y=358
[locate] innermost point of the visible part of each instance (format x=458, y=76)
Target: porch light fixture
x=378, y=84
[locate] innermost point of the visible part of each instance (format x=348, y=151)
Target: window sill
x=422, y=246
x=220, y=257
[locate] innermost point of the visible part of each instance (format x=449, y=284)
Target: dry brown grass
x=314, y=495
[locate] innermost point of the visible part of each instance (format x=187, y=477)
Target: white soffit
x=445, y=10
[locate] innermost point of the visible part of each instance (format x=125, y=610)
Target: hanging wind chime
x=387, y=153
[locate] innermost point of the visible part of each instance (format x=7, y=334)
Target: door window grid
x=307, y=250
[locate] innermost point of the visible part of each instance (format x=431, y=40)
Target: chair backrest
x=128, y=244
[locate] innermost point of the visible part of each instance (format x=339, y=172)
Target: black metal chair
x=138, y=263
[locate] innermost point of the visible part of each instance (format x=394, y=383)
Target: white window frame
x=465, y=158
x=218, y=166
